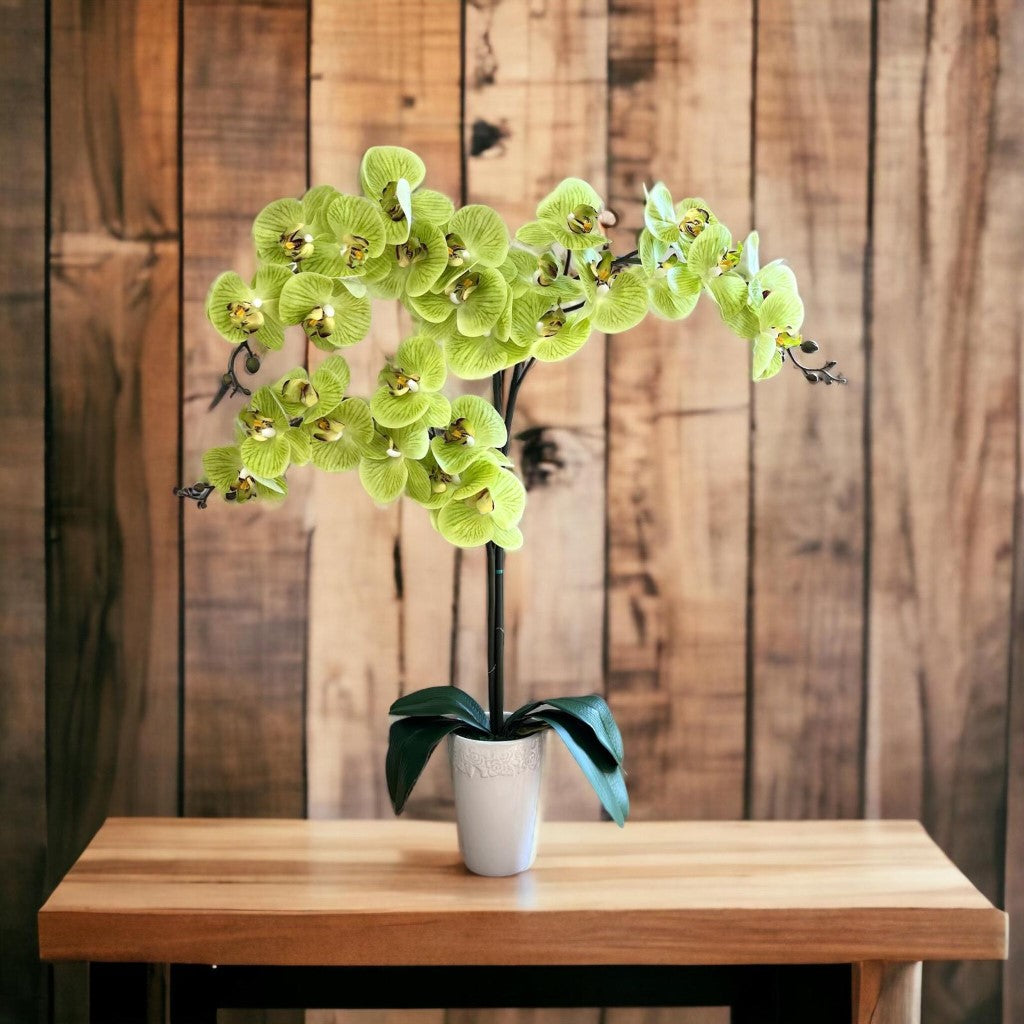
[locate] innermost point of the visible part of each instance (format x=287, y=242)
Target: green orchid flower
x=248, y=312
x=225, y=469
x=779, y=317
x=672, y=287
x=681, y=222
x=270, y=442
x=476, y=429
x=409, y=386
x=476, y=235
x=412, y=267
x=486, y=505
x=391, y=465
x=331, y=316
x=391, y=176
x=355, y=233
x=616, y=299
x=284, y=233
x=569, y=215
x=308, y=398
x=340, y=437
x=443, y=484
x=541, y=325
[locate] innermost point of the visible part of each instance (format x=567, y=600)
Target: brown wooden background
x=799, y=602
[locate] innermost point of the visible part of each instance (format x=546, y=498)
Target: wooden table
x=766, y=917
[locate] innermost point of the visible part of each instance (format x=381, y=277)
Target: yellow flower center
x=457, y=251
x=483, y=503
x=354, y=251
x=409, y=251
x=547, y=270
x=328, y=429
x=389, y=202
x=257, y=425
x=551, y=322
x=399, y=382
x=459, y=432
x=694, y=221
x=320, y=322
x=298, y=389
x=462, y=287
x=581, y=221
x=246, y=316
x=297, y=243
x=241, y=490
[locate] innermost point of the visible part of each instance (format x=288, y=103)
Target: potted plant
x=483, y=305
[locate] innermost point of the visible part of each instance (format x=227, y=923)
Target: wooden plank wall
x=800, y=602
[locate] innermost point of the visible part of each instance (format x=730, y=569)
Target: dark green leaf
x=442, y=700
x=591, y=710
x=598, y=765
x=410, y=744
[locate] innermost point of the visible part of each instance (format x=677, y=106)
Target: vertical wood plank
x=245, y=132
x=536, y=88
x=945, y=417
x=113, y=624
x=811, y=153
x=385, y=572
x=22, y=541
x=678, y=409
x=112, y=618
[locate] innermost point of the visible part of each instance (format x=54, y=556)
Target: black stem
x=229, y=382
x=506, y=408
x=816, y=374
x=199, y=493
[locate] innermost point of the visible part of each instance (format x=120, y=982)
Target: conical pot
x=497, y=785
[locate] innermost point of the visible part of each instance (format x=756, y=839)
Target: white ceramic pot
x=497, y=801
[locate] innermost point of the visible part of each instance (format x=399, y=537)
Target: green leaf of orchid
x=484, y=234
x=448, y=701
x=411, y=741
x=383, y=479
x=382, y=165
x=598, y=765
x=591, y=709
x=432, y=206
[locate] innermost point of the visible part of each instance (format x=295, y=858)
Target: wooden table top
x=394, y=892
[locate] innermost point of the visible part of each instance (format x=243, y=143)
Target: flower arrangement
x=484, y=305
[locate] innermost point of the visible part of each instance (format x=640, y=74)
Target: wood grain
x=944, y=413
x=811, y=152
x=22, y=541
x=678, y=428
x=245, y=568
x=394, y=891
x=536, y=86
x=886, y=993
x=386, y=570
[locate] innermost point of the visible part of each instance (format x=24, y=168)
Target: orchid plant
x=483, y=305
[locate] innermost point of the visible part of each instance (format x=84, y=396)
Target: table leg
x=122, y=993
x=191, y=994
x=885, y=992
